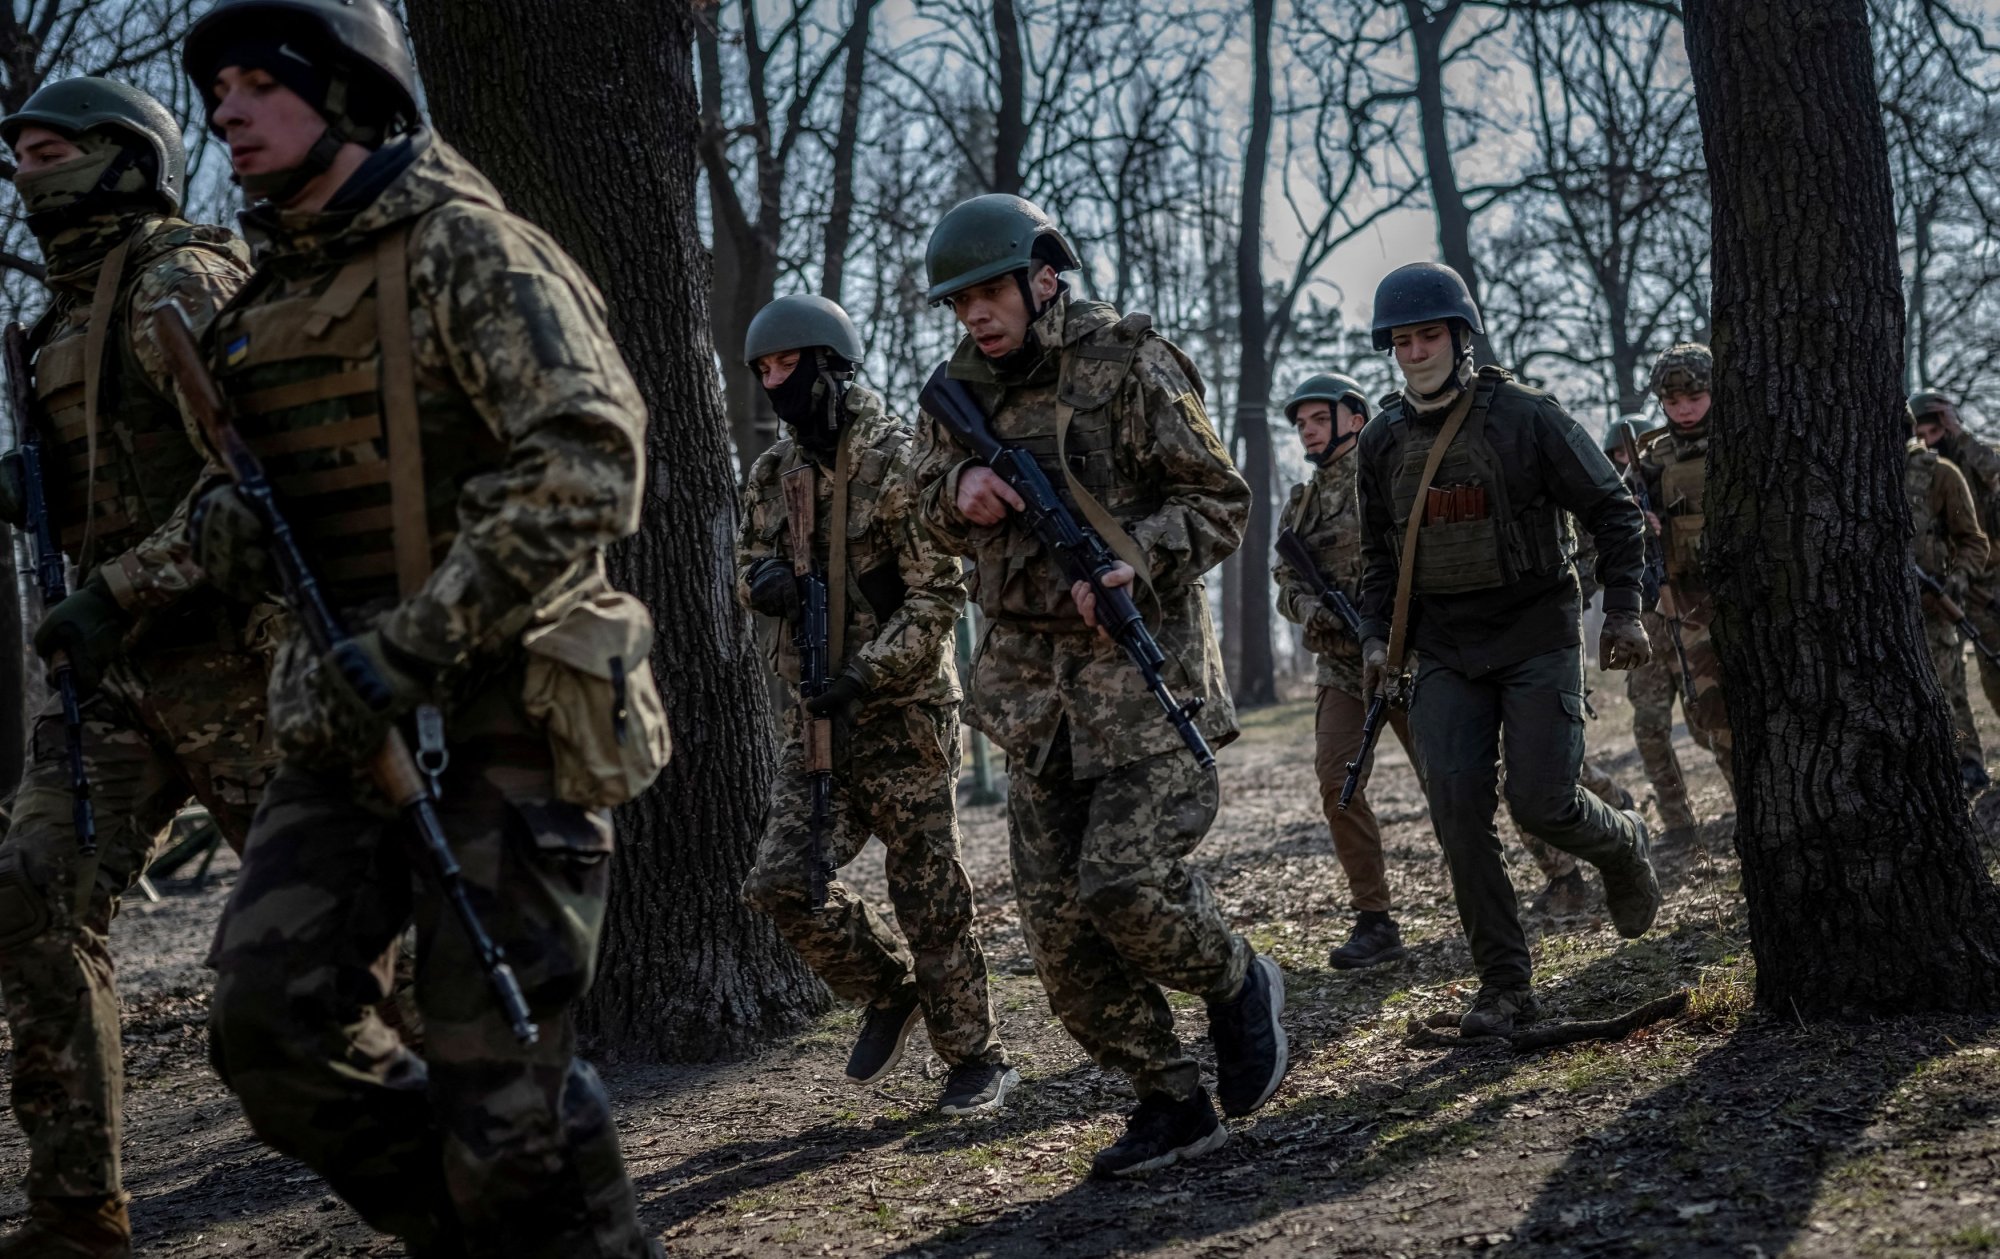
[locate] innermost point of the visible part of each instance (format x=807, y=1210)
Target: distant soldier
x=894, y=701
x=169, y=671
x=456, y=439
x=1675, y=466
x=1468, y=484
x=1105, y=803
x=1950, y=546
x=1328, y=413
x=1938, y=427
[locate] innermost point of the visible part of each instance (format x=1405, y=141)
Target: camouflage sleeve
x=935, y=466
x=750, y=544
x=904, y=653
x=1296, y=601
x=516, y=325
x=159, y=569
x=1205, y=501
x=1961, y=519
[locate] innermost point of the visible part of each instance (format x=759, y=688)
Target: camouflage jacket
x=531, y=426
x=1142, y=443
x=904, y=592
x=1326, y=513
x=1979, y=463
x=147, y=561
x=1947, y=538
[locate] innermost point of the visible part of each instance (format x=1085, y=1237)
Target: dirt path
x=1720, y=1133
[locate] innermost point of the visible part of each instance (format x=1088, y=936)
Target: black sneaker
x=1498, y=1011
x=1160, y=1132
x=884, y=1032
x=1375, y=940
x=1251, y=1052
x=1631, y=888
x=1565, y=895
x=975, y=1086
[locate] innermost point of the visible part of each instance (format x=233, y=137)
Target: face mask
x=1428, y=378
x=97, y=172
x=809, y=401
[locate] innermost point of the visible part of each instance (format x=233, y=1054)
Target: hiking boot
x=72, y=1228
x=1973, y=778
x=884, y=1032
x=1251, y=1052
x=1374, y=940
x=1498, y=1011
x=1565, y=895
x=1631, y=889
x=975, y=1086
x=1160, y=1132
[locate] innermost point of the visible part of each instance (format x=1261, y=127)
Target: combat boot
x=1631, y=888
x=884, y=1032
x=1374, y=941
x=72, y=1228
x=1251, y=1050
x=1498, y=1011
x=1972, y=776
x=1566, y=894
x=1162, y=1131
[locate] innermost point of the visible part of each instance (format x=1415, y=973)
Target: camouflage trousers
x=1708, y=711
x=1948, y=656
x=164, y=726
x=1652, y=689
x=1357, y=837
x=1113, y=912
x=899, y=782
x=482, y=1145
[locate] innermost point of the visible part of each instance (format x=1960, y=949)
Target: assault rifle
x=394, y=771
x=1292, y=550
x=1081, y=553
x=1942, y=600
x=1654, y=579
x=49, y=576
x=815, y=676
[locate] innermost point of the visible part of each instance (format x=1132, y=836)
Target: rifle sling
x=1099, y=517
x=836, y=554
x=103, y=305
x=1399, y=623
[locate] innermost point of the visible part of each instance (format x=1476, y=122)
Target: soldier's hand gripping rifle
x=1292, y=550
x=1081, y=553
x=1654, y=579
x=812, y=637
x=49, y=577
x=393, y=770
x=1942, y=600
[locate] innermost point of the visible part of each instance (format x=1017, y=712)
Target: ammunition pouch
x=589, y=683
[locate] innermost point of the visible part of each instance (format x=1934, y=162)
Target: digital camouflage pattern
x=1651, y=688
x=1674, y=465
x=180, y=713
x=536, y=427
x=1950, y=546
x=1684, y=368
x=896, y=761
x=1325, y=512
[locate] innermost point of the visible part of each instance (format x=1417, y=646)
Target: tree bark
x=1866, y=890
x=1254, y=683
x=847, y=133
x=584, y=114
x=1010, y=125
x=1428, y=33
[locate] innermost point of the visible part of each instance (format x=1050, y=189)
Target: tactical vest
x=307, y=374
x=1468, y=555
x=1919, y=474
x=1093, y=371
x=145, y=463
x=1681, y=482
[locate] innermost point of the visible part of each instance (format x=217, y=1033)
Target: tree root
x=1431, y=1033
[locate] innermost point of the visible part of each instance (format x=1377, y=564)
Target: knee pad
x=24, y=909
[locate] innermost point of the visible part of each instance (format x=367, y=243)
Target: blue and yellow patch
x=236, y=351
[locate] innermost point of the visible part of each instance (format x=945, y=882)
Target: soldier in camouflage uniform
x=1674, y=464
x=1938, y=428
x=1328, y=412
x=1950, y=546
x=1106, y=804
x=398, y=307
x=894, y=703
x=169, y=672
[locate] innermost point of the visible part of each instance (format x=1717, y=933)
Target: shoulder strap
x=1099, y=517
x=409, y=523
x=103, y=306
x=836, y=552
x=1399, y=624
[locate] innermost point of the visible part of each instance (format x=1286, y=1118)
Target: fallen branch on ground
x=1429, y=1033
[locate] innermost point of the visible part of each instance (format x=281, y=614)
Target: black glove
x=841, y=697
x=774, y=591
x=88, y=628
x=14, y=489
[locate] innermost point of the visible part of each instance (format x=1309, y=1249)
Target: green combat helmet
x=1633, y=422
x=74, y=107
x=1332, y=389
x=1684, y=368
x=800, y=322
x=1921, y=404
x=1421, y=293
x=992, y=235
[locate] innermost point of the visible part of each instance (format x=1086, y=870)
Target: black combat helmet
x=1332, y=389
x=1420, y=293
x=1921, y=404
x=375, y=86
x=74, y=106
x=989, y=236
x=800, y=322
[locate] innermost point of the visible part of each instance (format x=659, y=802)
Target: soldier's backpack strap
x=836, y=552
x=103, y=305
x=1399, y=622
x=409, y=524
x=1098, y=516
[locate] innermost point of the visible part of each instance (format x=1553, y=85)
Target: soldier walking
x=1328, y=413
x=1468, y=481
x=1106, y=805
x=172, y=684
x=456, y=439
x=894, y=700
x=1950, y=546
x=1938, y=427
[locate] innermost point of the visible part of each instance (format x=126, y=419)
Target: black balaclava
x=813, y=399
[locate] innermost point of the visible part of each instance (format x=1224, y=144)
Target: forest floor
x=1725, y=1132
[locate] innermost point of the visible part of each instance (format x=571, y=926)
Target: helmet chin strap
x=283, y=186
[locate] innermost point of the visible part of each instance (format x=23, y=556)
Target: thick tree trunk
x=584, y=114
x=1428, y=32
x=1866, y=889
x=1254, y=683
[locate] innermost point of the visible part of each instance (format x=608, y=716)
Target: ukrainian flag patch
x=236, y=351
